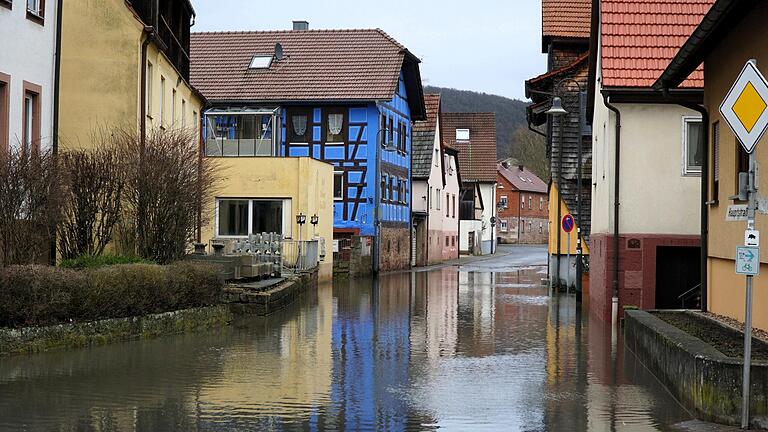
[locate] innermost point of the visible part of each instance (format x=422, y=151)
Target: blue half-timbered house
x=345, y=97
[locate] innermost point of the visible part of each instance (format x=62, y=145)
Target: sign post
x=568, y=224
x=744, y=109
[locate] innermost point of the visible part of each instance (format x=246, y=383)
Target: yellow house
x=125, y=64
x=730, y=34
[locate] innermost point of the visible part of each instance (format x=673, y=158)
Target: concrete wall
x=306, y=182
x=102, y=41
x=469, y=228
x=488, y=236
x=27, y=54
x=722, y=67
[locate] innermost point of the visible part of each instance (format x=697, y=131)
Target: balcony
x=245, y=133
x=171, y=20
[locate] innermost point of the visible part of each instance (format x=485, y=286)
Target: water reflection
x=481, y=347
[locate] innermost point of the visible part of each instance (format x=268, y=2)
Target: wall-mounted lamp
x=314, y=219
x=301, y=218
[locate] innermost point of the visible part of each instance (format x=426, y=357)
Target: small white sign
x=748, y=260
x=745, y=107
x=752, y=238
x=335, y=246
x=736, y=212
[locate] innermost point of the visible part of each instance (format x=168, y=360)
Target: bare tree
x=92, y=192
x=167, y=182
x=29, y=204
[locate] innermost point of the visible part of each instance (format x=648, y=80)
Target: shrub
x=91, y=198
x=93, y=261
x=41, y=295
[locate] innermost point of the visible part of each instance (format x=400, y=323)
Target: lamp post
x=556, y=111
x=377, y=198
x=301, y=219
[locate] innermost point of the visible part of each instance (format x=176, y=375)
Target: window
x=692, y=148
x=401, y=194
x=462, y=134
x=529, y=227
x=162, y=101
x=36, y=10
x=541, y=203
x=503, y=202
x=453, y=241
x=522, y=228
x=195, y=122
x=541, y=228
x=447, y=205
x=233, y=217
x=335, y=125
x=437, y=198
x=173, y=107
x=338, y=185
x=4, y=111
x=298, y=126
x=395, y=189
x=238, y=134
x=261, y=62
x=7, y=3
x=503, y=225
x=437, y=157
x=241, y=217
x=391, y=132
x=384, y=188
x=522, y=201
x=183, y=113
x=446, y=241
x=429, y=197
x=31, y=118
x=150, y=84
x=453, y=199
x=715, y=161
x=530, y=202
x=404, y=137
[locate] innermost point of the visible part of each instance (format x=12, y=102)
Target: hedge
x=43, y=295
x=93, y=261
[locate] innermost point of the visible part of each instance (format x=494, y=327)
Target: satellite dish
x=278, y=51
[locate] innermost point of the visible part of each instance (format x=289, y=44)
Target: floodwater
x=477, y=347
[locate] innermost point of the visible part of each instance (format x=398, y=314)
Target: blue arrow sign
x=748, y=260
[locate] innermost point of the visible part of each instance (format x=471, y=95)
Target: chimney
x=301, y=25
x=505, y=164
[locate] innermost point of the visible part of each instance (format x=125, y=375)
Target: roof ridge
x=349, y=30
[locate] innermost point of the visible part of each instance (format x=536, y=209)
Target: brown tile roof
x=318, y=65
x=423, y=138
x=640, y=37
x=522, y=179
x=477, y=157
x=565, y=18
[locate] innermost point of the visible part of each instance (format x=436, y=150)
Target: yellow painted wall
x=188, y=105
x=306, y=181
x=721, y=67
x=101, y=72
x=554, y=226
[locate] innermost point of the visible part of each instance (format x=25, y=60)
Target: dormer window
x=462, y=134
x=261, y=62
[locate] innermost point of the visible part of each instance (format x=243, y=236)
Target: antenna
x=278, y=51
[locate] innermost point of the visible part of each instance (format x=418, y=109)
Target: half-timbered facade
x=344, y=97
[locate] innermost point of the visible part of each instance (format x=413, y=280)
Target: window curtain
x=335, y=123
x=299, y=124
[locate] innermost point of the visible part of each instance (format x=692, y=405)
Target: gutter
x=616, y=213
x=56, y=93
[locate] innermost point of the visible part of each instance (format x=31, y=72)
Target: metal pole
x=580, y=140
x=748, y=303
x=559, y=195
x=568, y=261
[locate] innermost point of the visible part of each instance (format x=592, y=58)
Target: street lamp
x=556, y=111
x=314, y=220
x=301, y=219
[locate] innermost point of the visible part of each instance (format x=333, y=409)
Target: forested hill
x=512, y=135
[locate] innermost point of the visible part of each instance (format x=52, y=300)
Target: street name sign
x=745, y=107
x=748, y=260
x=568, y=223
x=752, y=238
x=736, y=212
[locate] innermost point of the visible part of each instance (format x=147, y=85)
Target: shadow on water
x=468, y=348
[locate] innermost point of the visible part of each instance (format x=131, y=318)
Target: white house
x=474, y=136
x=646, y=161
x=435, y=197
x=27, y=78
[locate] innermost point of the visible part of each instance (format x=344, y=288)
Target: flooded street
x=477, y=347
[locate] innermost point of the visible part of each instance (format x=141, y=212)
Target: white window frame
x=504, y=201
x=541, y=203
x=183, y=113
x=173, y=107
x=503, y=225
x=150, y=84
x=462, y=134
x=339, y=174
x=162, y=101
x=689, y=172
x=522, y=201
x=287, y=223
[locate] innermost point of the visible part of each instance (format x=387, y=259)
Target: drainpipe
x=55, y=131
x=616, y=203
x=704, y=248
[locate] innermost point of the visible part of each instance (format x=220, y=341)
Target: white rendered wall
x=27, y=51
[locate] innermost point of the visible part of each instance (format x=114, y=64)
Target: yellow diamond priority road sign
x=745, y=107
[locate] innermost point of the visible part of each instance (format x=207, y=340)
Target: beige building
x=125, y=64
x=731, y=37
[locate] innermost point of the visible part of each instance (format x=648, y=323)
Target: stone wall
x=395, y=248
x=704, y=380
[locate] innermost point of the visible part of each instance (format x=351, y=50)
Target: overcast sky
x=483, y=45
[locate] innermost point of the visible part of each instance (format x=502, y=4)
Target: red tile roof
x=423, y=138
x=523, y=179
x=477, y=157
x=336, y=65
x=565, y=18
x=640, y=37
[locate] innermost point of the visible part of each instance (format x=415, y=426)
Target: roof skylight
x=261, y=62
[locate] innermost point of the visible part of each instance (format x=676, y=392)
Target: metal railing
x=689, y=294
x=300, y=256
